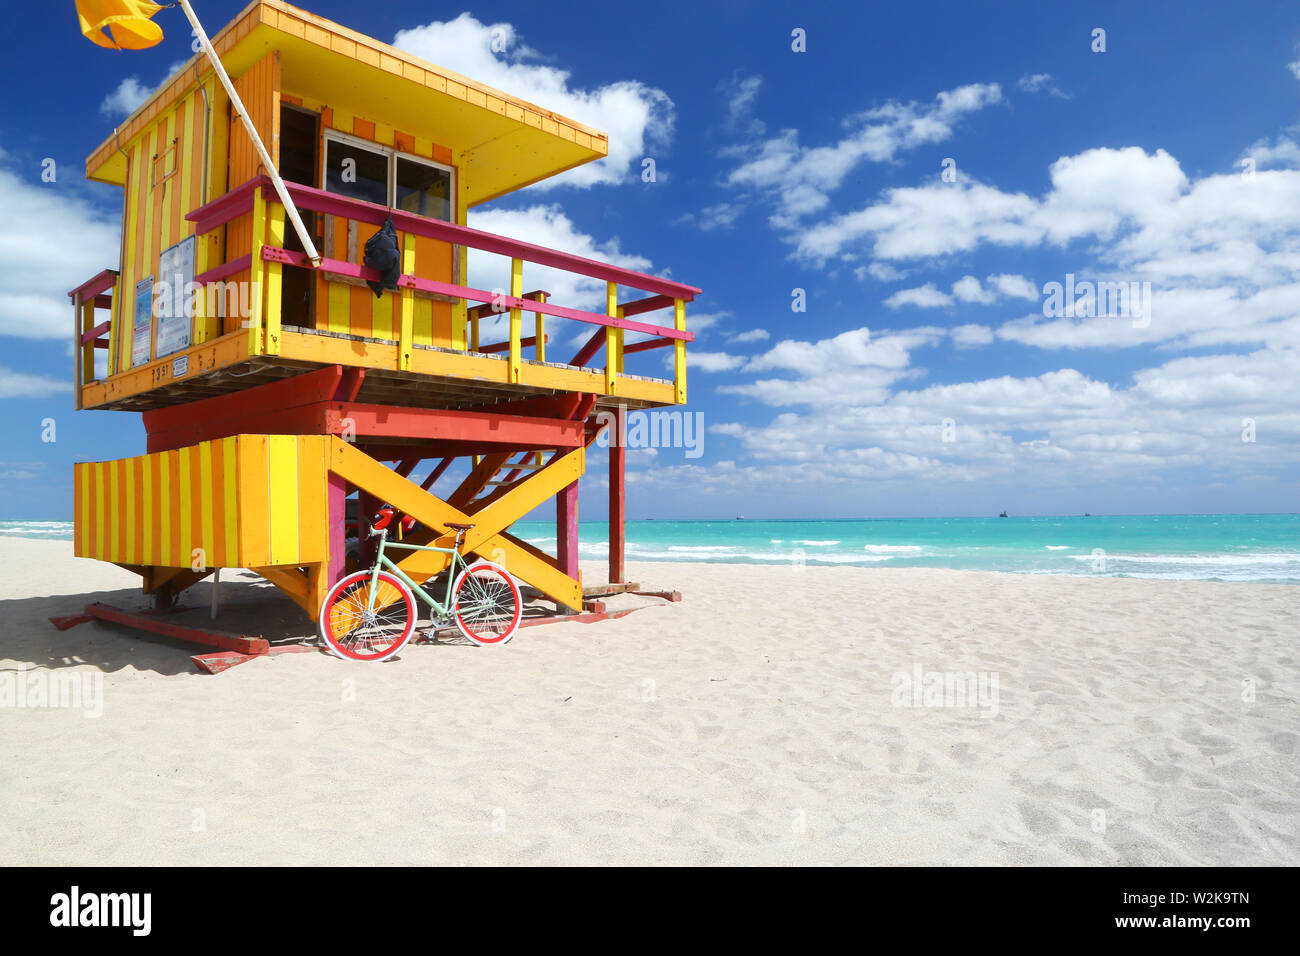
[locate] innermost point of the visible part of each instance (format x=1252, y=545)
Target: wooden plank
x=283, y=499
x=273, y=279
x=254, y=508
x=566, y=530
x=157, y=625
x=406, y=329
x=679, y=353
x=516, y=318
x=257, y=271
x=617, y=503
x=612, y=340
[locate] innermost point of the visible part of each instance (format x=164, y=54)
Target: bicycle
x=370, y=615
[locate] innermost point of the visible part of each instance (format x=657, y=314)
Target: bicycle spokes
x=359, y=628
x=486, y=604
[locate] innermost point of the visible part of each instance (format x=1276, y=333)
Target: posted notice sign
x=175, y=317
x=142, y=326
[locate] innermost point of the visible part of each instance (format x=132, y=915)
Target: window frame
x=391, y=155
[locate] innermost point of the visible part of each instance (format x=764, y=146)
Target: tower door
x=299, y=160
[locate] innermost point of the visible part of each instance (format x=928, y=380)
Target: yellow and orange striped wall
x=247, y=501
x=165, y=165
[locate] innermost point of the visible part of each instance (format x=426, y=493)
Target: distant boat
x=740, y=517
x=1004, y=515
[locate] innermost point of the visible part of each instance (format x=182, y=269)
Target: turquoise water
x=1187, y=547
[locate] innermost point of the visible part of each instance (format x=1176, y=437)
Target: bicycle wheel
x=356, y=634
x=486, y=604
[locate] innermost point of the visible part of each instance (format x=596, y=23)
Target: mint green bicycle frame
x=383, y=561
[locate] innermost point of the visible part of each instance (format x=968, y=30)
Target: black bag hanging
x=383, y=255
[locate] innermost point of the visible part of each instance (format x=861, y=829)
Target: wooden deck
x=454, y=378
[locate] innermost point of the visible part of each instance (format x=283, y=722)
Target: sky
x=884, y=205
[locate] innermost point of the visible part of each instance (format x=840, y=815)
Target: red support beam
x=588, y=351
x=617, y=456
x=526, y=343
x=316, y=386
x=442, y=449
x=145, y=622
x=436, y=473
x=94, y=333
x=441, y=424
x=564, y=405
x=226, y=269
x=586, y=403
x=350, y=383
x=253, y=411
x=646, y=345
x=652, y=304
x=566, y=530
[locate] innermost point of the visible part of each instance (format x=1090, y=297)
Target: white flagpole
x=308, y=246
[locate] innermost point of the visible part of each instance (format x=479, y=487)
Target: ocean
x=1179, y=547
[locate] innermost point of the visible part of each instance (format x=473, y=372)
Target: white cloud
x=1092, y=194
x=15, y=384
x=1294, y=68
x=1041, y=83
x=549, y=226
x=720, y=216
x=922, y=297
x=711, y=361
x=753, y=335
x=128, y=95
x=51, y=240
x=1284, y=152
x=799, y=178
x=881, y=272
x=638, y=118
x=741, y=93
x=967, y=289
x=1013, y=286
x=971, y=336
x=1064, y=425
x=1222, y=253
x=854, y=366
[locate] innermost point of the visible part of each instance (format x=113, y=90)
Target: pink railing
x=94, y=293
x=663, y=293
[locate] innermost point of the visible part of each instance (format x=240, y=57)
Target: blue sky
x=924, y=377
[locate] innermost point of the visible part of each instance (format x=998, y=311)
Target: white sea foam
x=1057, y=547
x=891, y=548
x=816, y=544
x=1192, y=560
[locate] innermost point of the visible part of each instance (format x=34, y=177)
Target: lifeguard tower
x=284, y=386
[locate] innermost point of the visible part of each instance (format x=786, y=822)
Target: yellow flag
x=120, y=24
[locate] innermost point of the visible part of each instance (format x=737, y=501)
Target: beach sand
x=764, y=719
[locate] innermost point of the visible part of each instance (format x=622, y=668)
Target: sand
x=767, y=718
